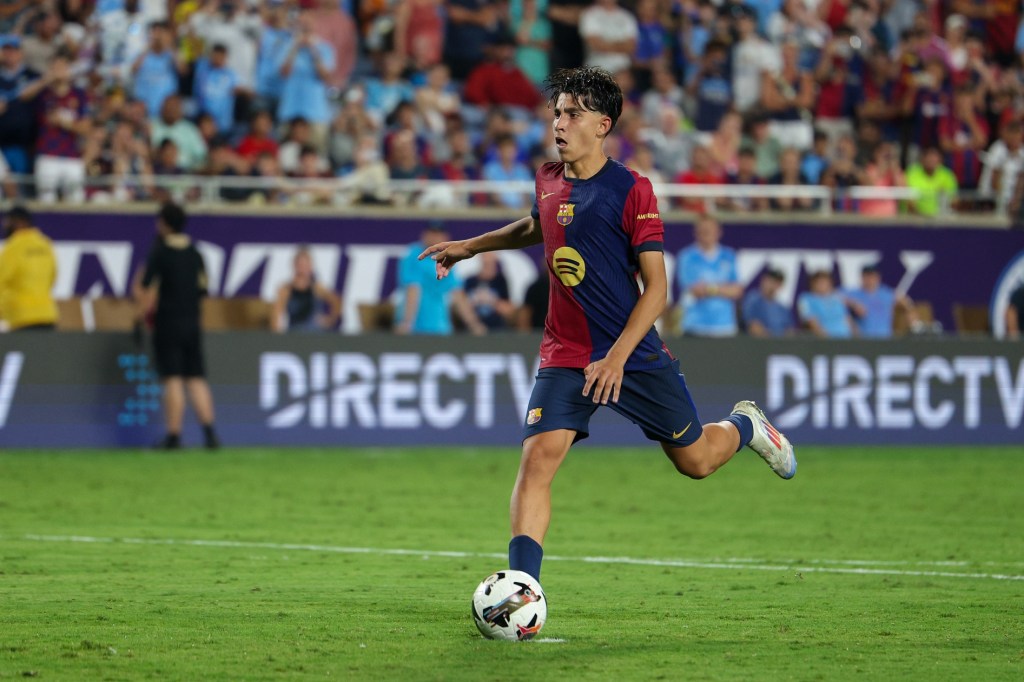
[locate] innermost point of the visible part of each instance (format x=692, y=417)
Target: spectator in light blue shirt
x=823, y=309
x=214, y=88
x=874, y=303
x=155, y=72
x=763, y=315
x=425, y=302
x=305, y=68
x=275, y=40
x=708, y=283
x=508, y=168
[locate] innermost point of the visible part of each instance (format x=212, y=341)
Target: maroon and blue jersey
x=54, y=140
x=594, y=231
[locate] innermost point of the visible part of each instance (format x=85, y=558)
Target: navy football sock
x=524, y=554
x=744, y=426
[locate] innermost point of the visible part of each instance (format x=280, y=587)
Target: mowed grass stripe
x=731, y=564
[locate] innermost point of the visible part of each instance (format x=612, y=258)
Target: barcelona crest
x=565, y=215
x=534, y=416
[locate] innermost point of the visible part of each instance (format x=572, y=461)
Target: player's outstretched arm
x=520, y=234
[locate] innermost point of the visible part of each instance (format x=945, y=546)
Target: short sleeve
x=641, y=219
x=803, y=307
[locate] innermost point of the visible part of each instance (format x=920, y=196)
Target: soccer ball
x=509, y=605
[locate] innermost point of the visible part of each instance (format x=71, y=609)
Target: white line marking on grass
x=801, y=566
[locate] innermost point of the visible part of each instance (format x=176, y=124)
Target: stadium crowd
x=926, y=94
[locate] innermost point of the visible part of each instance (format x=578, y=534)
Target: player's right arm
x=520, y=234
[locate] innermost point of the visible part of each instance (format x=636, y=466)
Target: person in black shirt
x=175, y=280
x=534, y=310
x=304, y=304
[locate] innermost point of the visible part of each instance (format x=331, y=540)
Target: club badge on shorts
x=534, y=416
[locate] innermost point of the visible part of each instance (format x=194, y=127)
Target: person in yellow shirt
x=28, y=270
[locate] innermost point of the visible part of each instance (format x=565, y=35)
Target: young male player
x=175, y=282
x=600, y=225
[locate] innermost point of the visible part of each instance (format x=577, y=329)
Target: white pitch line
x=803, y=566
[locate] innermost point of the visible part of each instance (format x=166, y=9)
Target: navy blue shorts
x=655, y=400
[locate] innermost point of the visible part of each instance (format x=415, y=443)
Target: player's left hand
x=605, y=378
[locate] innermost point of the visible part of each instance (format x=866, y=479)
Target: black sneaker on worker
x=172, y=441
x=210, y=439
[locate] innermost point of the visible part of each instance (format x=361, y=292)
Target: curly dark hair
x=592, y=87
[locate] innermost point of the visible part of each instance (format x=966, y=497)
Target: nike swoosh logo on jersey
x=545, y=195
x=676, y=435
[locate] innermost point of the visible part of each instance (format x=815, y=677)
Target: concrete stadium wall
x=99, y=390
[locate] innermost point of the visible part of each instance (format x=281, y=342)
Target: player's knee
x=689, y=465
x=540, y=460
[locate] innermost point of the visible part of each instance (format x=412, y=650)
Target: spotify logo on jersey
x=569, y=266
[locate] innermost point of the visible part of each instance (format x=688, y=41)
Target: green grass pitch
x=278, y=564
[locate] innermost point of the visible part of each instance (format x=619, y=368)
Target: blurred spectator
x=997, y=21
x=405, y=118
x=724, y=143
x=368, y=181
x=306, y=68
x=266, y=167
x=425, y=302
x=214, y=87
x=642, y=161
x=883, y=171
x=304, y=304
x=652, y=43
x=403, y=158
x=837, y=86
x=708, y=282
x=174, y=126
x=843, y=173
x=507, y=168
x=300, y=135
x=125, y=157
x=498, y=81
x=385, y=93
x=28, y=270
x=566, y=41
x=963, y=136
x=795, y=22
x=701, y=173
x=816, y=160
x=763, y=315
x=672, y=146
x=1002, y=163
x=351, y=123
x=487, y=292
x=223, y=162
x=936, y=183
x=274, y=40
x=532, y=30
x=532, y=314
x=665, y=93
x=926, y=103
x=711, y=87
x=745, y=174
x=437, y=101
x=419, y=31
x=765, y=145
x=333, y=23
x=311, y=168
x=19, y=87
x=791, y=175
x=259, y=139
x=470, y=23
x=237, y=25
x=207, y=127
x=823, y=310
x=1015, y=313
x=166, y=160
x=155, y=72
x=788, y=95
x=40, y=46
x=609, y=35
x=878, y=95
x=124, y=33
x=63, y=123
x=873, y=305
x=752, y=55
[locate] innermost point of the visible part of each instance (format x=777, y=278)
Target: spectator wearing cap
x=763, y=316
x=823, y=310
x=425, y=301
x=19, y=87
x=936, y=183
x=63, y=124
x=874, y=303
x=155, y=72
x=171, y=124
x=609, y=34
x=214, y=87
x=499, y=80
x=306, y=69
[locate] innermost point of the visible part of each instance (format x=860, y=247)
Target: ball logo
x=565, y=214
x=534, y=416
x=569, y=266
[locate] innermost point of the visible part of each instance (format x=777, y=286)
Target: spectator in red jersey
x=926, y=103
x=963, y=137
x=499, y=81
x=259, y=140
x=701, y=173
x=63, y=124
x=996, y=20
x=837, y=94
x=877, y=101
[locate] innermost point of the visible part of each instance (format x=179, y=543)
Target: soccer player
x=174, y=281
x=600, y=225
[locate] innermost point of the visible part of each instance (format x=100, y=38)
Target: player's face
x=578, y=131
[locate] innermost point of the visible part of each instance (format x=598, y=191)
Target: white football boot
x=768, y=442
